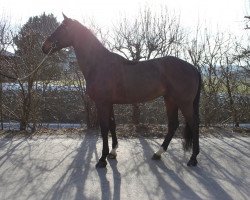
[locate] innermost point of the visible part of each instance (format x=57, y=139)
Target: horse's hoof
x=192, y=162
x=101, y=164
x=112, y=156
x=156, y=157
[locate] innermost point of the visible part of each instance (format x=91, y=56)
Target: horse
x=112, y=79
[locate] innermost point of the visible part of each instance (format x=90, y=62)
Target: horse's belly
x=138, y=95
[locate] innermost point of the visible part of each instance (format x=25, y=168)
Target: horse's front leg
x=104, y=118
x=112, y=128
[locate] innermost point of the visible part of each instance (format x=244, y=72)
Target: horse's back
x=146, y=80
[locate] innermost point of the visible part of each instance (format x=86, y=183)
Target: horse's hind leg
x=112, y=128
x=173, y=123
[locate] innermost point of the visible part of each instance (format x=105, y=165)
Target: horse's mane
x=90, y=35
x=86, y=32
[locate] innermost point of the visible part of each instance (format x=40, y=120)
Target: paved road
x=64, y=168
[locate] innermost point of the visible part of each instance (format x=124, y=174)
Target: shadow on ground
x=64, y=168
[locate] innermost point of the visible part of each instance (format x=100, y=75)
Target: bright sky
x=227, y=14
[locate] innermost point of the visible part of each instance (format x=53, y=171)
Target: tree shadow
x=207, y=176
x=74, y=178
x=76, y=175
x=222, y=163
x=155, y=166
x=8, y=146
x=74, y=170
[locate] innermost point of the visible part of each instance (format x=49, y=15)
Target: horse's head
x=60, y=38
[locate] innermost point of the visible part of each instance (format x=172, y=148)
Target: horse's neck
x=89, y=53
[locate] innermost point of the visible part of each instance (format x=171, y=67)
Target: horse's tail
x=188, y=135
x=196, y=103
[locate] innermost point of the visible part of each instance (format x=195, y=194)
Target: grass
x=238, y=88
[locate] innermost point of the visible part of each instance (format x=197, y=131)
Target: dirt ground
x=131, y=131
x=60, y=164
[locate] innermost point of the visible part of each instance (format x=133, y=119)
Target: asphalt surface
x=53, y=167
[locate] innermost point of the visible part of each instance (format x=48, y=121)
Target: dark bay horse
x=112, y=79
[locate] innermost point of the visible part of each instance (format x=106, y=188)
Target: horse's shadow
x=73, y=184
x=105, y=184
x=116, y=178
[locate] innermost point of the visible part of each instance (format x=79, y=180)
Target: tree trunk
x=25, y=115
x=91, y=113
x=1, y=103
x=231, y=102
x=23, y=125
x=26, y=107
x=136, y=114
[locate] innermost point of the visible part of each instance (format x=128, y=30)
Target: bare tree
x=204, y=52
x=75, y=77
x=27, y=44
x=148, y=36
x=228, y=69
x=212, y=84
x=5, y=42
x=217, y=56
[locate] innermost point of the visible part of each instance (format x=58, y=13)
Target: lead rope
x=34, y=71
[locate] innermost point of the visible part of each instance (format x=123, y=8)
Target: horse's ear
x=64, y=16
